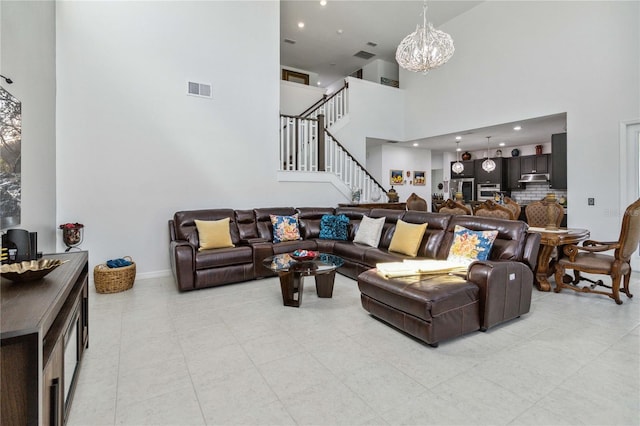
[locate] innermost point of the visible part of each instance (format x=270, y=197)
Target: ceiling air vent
x=372, y=44
x=288, y=40
x=199, y=89
x=364, y=55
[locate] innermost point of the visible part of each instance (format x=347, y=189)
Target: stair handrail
x=364, y=169
x=320, y=102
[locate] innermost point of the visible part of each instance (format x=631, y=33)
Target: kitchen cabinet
x=534, y=164
x=559, y=161
x=468, y=172
x=514, y=174
x=45, y=330
x=497, y=176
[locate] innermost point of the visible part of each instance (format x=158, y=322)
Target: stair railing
x=307, y=146
x=333, y=107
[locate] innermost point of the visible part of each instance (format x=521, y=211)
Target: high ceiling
x=334, y=33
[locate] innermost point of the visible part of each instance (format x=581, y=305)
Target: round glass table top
x=286, y=263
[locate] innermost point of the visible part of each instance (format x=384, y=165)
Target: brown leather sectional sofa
x=430, y=309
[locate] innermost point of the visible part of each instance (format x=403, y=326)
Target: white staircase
x=307, y=148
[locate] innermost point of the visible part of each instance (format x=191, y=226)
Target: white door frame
x=630, y=171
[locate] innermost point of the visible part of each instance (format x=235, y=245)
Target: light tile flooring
x=236, y=355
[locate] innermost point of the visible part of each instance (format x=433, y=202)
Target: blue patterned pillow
x=469, y=246
x=285, y=228
x=334, y=227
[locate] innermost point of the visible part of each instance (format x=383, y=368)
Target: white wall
x=133, y=148
x=296, y=98
x=375, y=111
x=516, y=60
x=28, y=58
x=407, y=159
x=378, y=68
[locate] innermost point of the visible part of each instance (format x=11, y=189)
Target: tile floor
x=236, y=355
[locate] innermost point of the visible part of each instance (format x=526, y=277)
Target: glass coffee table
x=292, y=271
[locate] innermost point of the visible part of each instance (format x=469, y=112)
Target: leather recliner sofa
x=493, y=291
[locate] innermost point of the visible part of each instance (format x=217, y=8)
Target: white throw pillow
x=369, y=231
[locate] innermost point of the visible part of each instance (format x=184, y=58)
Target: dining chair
x=513, y=206
x=537, y=213
x=492, y=209
x=454, y=207
x=415, y=202
x=589, y=258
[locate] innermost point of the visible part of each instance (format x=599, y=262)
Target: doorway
x=630, y=171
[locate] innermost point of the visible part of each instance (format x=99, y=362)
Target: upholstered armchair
x=589, y=258
x=454, y=207
x=492, y=209
x=415, y=202
x=537, y=213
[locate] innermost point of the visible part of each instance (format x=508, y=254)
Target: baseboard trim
x=154, y=274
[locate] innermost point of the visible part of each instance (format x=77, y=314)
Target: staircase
x=308, y=147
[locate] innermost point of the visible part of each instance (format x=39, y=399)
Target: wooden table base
x=292, y=283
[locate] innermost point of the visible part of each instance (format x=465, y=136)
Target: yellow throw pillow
x=407, y=238
x=214, y=234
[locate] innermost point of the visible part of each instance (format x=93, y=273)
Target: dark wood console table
x=44, y=327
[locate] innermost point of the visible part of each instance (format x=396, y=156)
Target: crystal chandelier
x=488, y=165
x=424, y=49
x=457, y=167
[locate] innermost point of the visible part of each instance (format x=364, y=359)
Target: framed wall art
x=397, y=177
x=419, y=177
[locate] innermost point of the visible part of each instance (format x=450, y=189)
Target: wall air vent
x=364, y=55
x=288, y=40
x=202, y=90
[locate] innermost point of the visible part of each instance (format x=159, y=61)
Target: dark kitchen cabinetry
x=496, y=176
x=514, y=174
x=559, y=161
x=468, y=171
x=534, y=164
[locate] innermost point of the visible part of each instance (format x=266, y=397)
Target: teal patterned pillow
x=285, y=228
x=469, y=246
x=334, y=227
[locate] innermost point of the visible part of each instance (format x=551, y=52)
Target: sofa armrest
x=183, y=263
x=261, y=251
x=251, y=241
x=505, y=290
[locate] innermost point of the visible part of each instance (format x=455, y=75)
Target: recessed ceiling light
x=323, y=2
x=300, y=24
x=318, y=83
x=415, y=144
x=517, y=128
x=458, y=149
x=458, y=138
x=339, y=31
x=501, y=144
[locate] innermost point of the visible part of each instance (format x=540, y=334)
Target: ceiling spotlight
x=458, y=138
x=323, y=2
x=318, y=83
x=517, y=128
x=415, y=144
x=501, y=144
x=339, y=31
x=300, y=24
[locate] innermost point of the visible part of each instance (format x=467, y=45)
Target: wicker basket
x=114, y=280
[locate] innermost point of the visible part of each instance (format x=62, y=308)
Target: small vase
x=466, y=155
x=515, y=152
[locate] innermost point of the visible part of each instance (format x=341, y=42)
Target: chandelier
x=424, y=49
x=488, y=165
x=457, y=167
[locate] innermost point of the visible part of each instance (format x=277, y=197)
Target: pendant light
x=488, y=165
x=457, y=167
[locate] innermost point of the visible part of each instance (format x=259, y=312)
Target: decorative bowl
x=304, y=255
x=29, y=270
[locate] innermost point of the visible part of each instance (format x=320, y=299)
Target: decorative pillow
x=369, y=231
x=214, y=234
x=407, y=238
x=469, y=246
x=285, y=228
x=334, y=227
